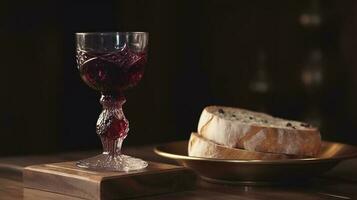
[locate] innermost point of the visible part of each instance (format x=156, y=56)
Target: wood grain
x=66, y=178
x=338, y=184
x=32, y=194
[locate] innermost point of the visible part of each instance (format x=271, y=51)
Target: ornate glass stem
x=112, y=126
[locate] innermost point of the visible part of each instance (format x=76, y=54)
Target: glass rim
x=111, y=33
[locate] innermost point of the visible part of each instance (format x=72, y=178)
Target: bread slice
x=253, y=131
x=201, y=147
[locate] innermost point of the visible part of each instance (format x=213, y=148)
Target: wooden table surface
x=339, y=183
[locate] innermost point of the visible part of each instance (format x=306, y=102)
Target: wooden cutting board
x=67, y=179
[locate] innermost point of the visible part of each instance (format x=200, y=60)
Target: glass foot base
x=112, y=163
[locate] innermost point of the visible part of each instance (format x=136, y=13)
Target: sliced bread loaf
x=201, y=147
x=254, y=131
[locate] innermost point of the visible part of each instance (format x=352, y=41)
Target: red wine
x=111, y=72
x=111, y=127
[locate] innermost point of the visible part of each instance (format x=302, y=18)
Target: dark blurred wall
x=201, y=53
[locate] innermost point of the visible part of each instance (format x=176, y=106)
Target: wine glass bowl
x=112, y=62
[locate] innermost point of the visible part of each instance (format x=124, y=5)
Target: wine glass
x=111, y=62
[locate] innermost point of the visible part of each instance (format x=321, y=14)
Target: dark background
x=201, y=53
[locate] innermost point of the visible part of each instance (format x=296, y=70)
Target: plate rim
x=158, y=150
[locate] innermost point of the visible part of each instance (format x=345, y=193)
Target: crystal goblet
x=111, y=62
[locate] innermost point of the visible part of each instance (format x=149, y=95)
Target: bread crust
x=201, y=147
x=259, y=138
